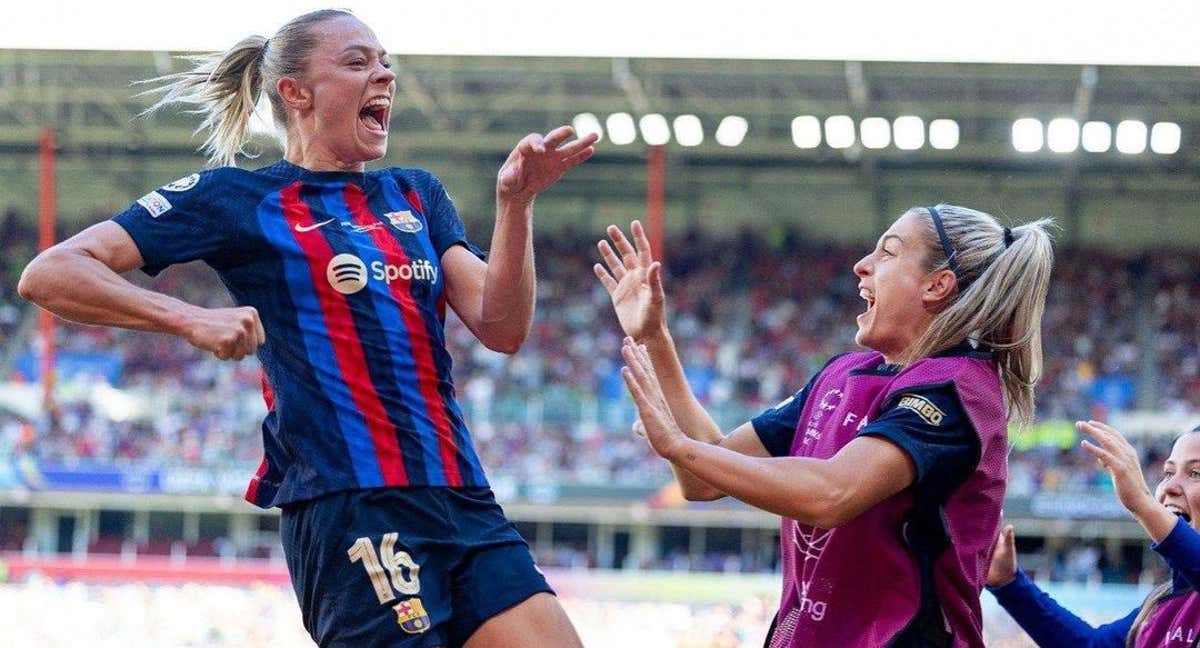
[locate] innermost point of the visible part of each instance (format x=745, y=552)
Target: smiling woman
x=890, y=461
x=342, y=277
x=1170, y=615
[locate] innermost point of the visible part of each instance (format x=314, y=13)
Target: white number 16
x=395, y=562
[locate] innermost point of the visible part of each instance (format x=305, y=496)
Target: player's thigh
x=537, y=621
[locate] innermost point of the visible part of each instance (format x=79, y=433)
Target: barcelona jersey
x=345, y=271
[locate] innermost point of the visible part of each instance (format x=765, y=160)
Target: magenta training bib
x=859, y=585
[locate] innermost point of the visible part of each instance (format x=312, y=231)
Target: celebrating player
x=889, y=467
x=341, y=277
x=1170, y=615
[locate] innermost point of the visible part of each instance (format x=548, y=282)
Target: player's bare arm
x=80, y=280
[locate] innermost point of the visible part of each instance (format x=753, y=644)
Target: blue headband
x=946, y=247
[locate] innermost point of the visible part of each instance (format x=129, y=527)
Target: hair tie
x=1008, y=237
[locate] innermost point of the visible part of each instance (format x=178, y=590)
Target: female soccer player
x=1170, y=616
x=391, y=534
x=889, y=467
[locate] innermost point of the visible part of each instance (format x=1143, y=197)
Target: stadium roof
x=459, y=115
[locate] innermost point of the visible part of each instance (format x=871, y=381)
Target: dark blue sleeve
x=1181, y=550
x=1050, y=625
x=930, y=424
x=446, y=228
x=179, y=222
x=776, y=427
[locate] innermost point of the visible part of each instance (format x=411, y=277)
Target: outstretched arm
x=633, y=280
x=1049, y=624
x=821, y=492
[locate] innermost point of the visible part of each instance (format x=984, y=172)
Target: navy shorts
x=412, y=567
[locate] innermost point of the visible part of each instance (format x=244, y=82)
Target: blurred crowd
x=753, y=315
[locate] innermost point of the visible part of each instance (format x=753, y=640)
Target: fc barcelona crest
x=404, y=221
x=411, y=616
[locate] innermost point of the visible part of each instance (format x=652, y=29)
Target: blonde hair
x=1156, y=596
x=225, y=87
x=1000, y=296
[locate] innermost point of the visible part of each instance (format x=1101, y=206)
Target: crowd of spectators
x=753, y=316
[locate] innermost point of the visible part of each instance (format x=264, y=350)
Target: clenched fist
x=227, y=333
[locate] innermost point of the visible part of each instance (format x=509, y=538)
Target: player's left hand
x=655, y=421
x=539, y=161
x=1121, y=460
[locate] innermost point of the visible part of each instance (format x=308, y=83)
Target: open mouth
x=1179, y=512
x=869, y=297
x=374, y=115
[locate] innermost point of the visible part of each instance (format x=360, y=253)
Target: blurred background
x=123, y=456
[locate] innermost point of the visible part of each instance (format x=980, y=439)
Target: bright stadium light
x=1131, y=137
x=732, y=130
x=585, y=124
x=1164, y=138
x=1096, y=137
x=1027, y=135
x=839, y=131
x=909, y=132
x=943, y=134
x=655, y=130
x=1062, y=135
x=688, y=130
x=620, y=128
x=806, y=132
x=876, y=132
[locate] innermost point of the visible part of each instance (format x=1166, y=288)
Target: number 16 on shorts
x=393, y=571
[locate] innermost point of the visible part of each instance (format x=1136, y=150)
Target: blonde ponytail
x=225, y=87
x=1000, y=297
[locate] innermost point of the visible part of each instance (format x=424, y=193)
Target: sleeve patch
x=184, y=183
x=155, y=203
x=923, y=408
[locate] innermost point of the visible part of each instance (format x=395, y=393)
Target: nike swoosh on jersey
x=309, y=228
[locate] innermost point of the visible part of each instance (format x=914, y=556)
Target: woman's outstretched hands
x=654, y=415
x=538, y=162
x=633, y=281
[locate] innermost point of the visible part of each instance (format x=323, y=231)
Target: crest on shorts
x=404, y=221
x=410, y=614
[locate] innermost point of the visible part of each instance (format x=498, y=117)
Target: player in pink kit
x=1170, y=615
x=889, y=467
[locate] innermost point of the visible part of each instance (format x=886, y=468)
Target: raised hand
x=1003, y=569
x=655, y=421
x=538, y=162
x=1121, y=461
x=633, y=281
x=227, y=333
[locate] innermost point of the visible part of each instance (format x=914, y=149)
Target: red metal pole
x=656, y=184
x=47, y=214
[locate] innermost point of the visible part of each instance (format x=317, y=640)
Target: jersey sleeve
x=446, y=228
x=776, y=427
x=178, y=222
x=1050, y=624
x=930, y=425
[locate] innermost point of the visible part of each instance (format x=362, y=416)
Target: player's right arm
x=634, y=282
x=80, y=280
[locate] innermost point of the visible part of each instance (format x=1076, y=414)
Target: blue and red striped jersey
x=345, y=271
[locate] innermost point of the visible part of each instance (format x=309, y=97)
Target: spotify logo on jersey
x=346, y=273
